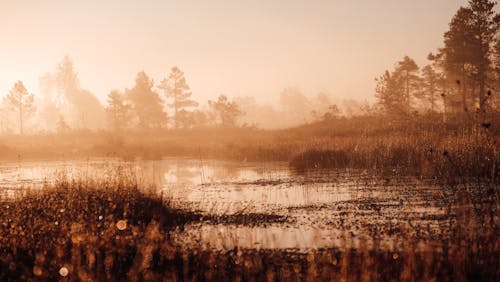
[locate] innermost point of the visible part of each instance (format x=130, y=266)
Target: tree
x=395, y=90
x=118, y=111
x=468, y=51
x=389, y=92
x=147, y=105
x=296, y=105
x=190, y=119
x=496, y=73
x=78, y=106
x=5, y=116
x=224, y=113
x=21, y=102
x=333, y=113
x=431, y=81
x=62, y=126
x=48, y=113
x=66, y=79
x=175, y=87
x=407, y=69
x=320, y=105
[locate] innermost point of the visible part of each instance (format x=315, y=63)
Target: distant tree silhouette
x=48, y=112
x=432, y=82
x=176, y=88
x=258, y=115
x=192, y=119
x=333, y=113
x=66, y=79
x=408, y=70
x=118, y=111
x=147, y=104
x=224, y=112
x=62, y=126
x=80, y=106
x=296, y=105
x=21, y=102
x=322, y=103
x=395, y=90
x=390, y=94
x=4, y=116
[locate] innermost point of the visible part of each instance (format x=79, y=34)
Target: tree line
x=459, y=82
x=142, y=106
x=64, y=105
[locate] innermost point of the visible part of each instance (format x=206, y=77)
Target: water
x=323, y=209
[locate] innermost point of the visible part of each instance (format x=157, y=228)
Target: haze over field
x=236, y=48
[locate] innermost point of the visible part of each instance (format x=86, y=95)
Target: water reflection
x=324, y=209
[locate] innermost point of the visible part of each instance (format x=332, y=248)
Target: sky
x=237, y=48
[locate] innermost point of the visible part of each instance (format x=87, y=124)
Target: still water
x=345, y=208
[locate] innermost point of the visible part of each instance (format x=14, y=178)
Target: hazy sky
x=233, y=47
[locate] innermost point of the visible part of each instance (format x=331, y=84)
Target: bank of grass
x=451, y=158
x=421, y=147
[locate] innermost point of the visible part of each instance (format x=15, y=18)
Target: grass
x=89, y=228
x=112, y=229
x=95, y=229
x=451, y=158
x=118, y=229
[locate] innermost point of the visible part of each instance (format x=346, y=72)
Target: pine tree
x=118, y=111
x=21, y=102
x=224, y=112
x=468, y=51
x=147, y=105
x=176, y=88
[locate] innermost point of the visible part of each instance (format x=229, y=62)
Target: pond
x=323, y=209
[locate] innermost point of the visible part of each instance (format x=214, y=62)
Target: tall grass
x=450, y=158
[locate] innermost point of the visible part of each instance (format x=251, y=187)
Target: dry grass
x=95, y=229
x=114, y=229
x=451, y=158
x=111, y=229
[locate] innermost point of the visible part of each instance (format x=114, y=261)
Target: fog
x=283, y=140
x=239, y=49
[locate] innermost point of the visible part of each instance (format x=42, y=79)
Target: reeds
x=453, y=159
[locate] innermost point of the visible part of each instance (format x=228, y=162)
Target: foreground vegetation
x=112, y=229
